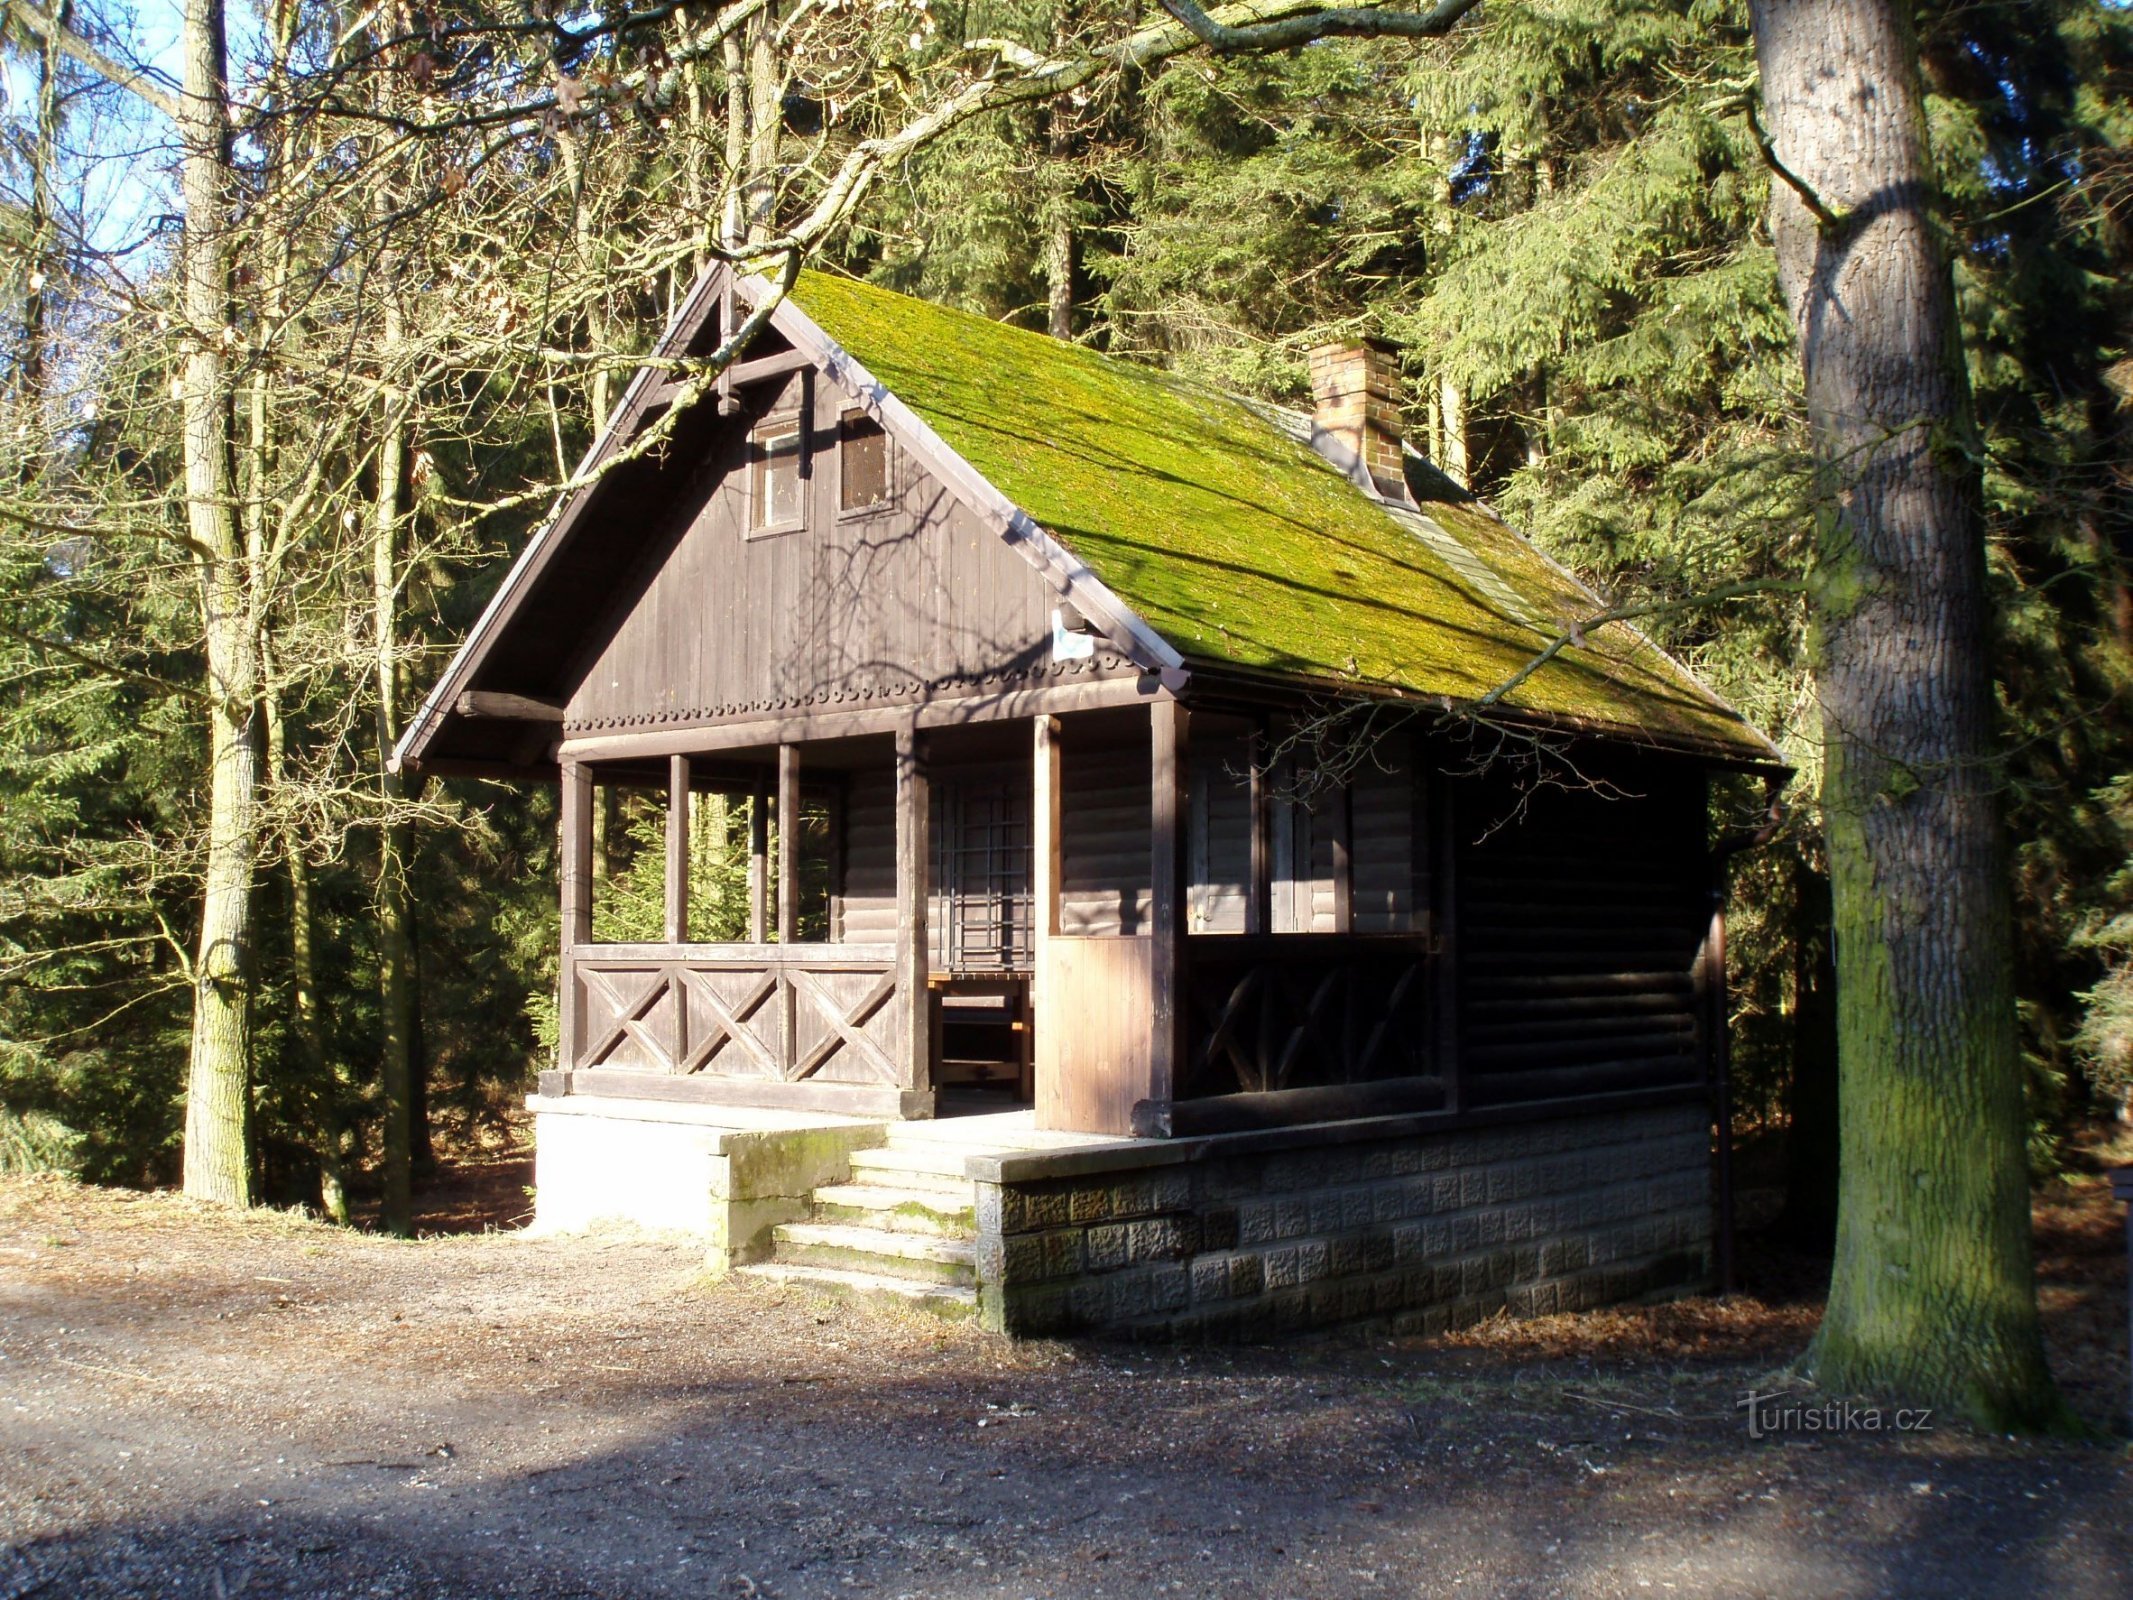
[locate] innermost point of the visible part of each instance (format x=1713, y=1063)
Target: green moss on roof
x=1245, y=548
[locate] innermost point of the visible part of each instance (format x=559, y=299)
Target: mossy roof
x=1242, y=546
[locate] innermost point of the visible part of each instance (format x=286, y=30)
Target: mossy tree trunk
x=218, y=1086
x=1932, y=1295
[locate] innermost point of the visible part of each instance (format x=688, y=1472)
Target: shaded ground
x=200, y=1404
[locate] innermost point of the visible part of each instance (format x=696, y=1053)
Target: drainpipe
x=1722, y=855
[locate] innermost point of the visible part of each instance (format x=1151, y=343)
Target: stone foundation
x=723, y=1174
x=1393, y=1221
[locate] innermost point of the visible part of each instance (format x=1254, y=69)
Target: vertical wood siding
x=847, y=606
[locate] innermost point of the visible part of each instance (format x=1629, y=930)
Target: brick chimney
x=1355, y=389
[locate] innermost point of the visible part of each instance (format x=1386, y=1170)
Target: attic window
x=863, y=470
x=774, y=475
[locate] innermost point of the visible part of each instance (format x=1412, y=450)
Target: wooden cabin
x=1147, y=772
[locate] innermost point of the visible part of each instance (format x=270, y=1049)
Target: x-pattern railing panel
x=762, y=1012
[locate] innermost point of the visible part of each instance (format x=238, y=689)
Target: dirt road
x=203, y=1405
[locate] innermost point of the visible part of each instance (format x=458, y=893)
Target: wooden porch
x=1166, y=939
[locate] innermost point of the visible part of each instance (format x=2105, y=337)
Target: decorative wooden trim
x=507, y=707
x=760, y=730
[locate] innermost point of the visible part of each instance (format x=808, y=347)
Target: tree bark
x=218, y=1087
x=395, y=998
x=1932, y=1295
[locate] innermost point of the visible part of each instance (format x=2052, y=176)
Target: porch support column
x=758, y=858
x=1044, y=860
x=914, y=854
x=576, y=875
x=788, y=843
x=1166, y=912
x=1259, y=899
x=677, y=929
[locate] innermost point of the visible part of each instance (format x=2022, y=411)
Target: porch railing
x=1269, y=1012
x=825, y=1013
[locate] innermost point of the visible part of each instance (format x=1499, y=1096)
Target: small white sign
x=1070, y=646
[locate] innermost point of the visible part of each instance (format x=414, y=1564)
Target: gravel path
x=202, y=1404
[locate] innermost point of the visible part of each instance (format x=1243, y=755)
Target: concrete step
x=897, y=1208
x=875, y=1250
x=939, y=1170
x=951, y=1303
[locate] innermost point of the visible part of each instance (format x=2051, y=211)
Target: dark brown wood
x=575, y=861
x=788, y=843
x=1340, y=814
x=947, y=709
x=1282, y=1108
x=738, y=376
x=508, y=707
x=1258, y=903
x=758, y=859
x=914, y=855
x=677, y=898
x=1046, y=864
x=1443, y=844
x=1166, y=875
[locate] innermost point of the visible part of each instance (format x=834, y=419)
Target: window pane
x=864, y=467
x=774, y=490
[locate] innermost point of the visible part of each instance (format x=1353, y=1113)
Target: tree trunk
x=1451, y=417
x=396, y=1214
x=218, y=1088
x=1932, y=1295
x=41, y=227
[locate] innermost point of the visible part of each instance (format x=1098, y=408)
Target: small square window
x=774, y=475
x=863, y=463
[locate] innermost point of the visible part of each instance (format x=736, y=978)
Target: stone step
x=939, y=1170
x=897, y=1208
x=950, y=1302
x=875, y=1250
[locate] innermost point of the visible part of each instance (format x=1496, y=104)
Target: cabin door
x=981, y=934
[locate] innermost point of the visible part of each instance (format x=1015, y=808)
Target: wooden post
x=788, y=843
x=576, y=874
x=1340, y=822
x=1259, y=898
x=677, y=850
x=1443, y=811
x=1045, y=862
x=1166, y=911
x=758, y=858
x=914, y=854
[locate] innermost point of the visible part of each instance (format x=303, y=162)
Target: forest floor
x=196, y=1403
